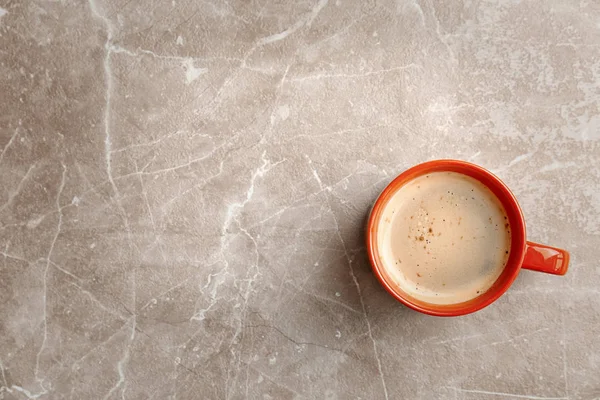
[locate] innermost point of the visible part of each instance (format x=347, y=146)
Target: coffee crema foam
x=444, y=238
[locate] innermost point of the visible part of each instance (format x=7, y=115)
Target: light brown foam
x=444, y=238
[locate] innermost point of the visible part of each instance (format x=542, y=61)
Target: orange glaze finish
x=523, y=254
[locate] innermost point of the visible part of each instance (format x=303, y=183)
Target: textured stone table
x=183, y=186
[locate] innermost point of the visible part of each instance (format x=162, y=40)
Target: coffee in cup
x=444, y=238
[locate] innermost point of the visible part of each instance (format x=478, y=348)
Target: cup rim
x=517, y=227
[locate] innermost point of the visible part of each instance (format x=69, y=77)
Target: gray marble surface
x=183, y=186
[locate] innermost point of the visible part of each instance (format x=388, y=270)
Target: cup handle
x=539, y=257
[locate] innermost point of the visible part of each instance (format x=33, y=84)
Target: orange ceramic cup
x=523, y=254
